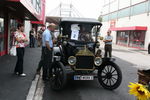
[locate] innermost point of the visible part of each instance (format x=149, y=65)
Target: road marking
x=32, y=89
x=39, y=91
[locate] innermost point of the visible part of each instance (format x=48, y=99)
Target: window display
x=2, y=44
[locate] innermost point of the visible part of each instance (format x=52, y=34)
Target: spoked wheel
x=57, y=76
x=109, y=75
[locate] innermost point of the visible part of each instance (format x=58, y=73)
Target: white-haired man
x=47, y=44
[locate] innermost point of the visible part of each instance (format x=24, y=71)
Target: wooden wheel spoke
x=113, y=71
x=107, y=81
x=105, y=70
x=104, y=79
x=59, y=82
x=114, y=74
x=110, y=68
x=114, y=78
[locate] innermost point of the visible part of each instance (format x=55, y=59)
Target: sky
x=87, y=8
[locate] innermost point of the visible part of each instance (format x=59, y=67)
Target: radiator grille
x=84, y=62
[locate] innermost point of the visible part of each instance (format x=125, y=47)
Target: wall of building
x=137, y=20
x=114, y=5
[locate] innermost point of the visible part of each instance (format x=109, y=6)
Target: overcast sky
x=87, y=8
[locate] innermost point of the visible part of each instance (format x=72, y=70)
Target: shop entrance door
x=2, y=38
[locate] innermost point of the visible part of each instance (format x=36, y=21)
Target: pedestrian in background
x=39, y=37
x=47, y=43
x=21, y=40
x=42, y=53
x=32, y=38
x=108, y=44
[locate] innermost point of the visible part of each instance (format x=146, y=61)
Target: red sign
x=112, y=23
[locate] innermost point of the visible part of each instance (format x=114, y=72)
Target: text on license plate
x=79, y=77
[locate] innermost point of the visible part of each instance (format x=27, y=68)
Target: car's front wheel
x=109, y=75
x=58, y=76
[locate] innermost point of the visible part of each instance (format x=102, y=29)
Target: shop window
x=148, y=5
x=137, y=39
x=113, y=15
x=105, y=18
x=138, y=9
x=122, y=38
x=13, y=28
x=124, y=13
x=2, y=37
x=38, y=5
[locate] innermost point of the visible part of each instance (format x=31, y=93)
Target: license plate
x=79, y=77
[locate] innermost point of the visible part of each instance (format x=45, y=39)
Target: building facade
x=129, y=21
x=13, y=12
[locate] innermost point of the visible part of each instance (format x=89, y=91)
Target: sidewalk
x=13, y=87
x=140, y=58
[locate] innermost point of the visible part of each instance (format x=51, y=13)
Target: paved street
x=91, y=90
x=129, y=61
x=13, y=87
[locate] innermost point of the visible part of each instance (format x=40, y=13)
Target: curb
x=32, y=89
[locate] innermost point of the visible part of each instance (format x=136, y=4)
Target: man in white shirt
x=108, y=44
x=47, y=45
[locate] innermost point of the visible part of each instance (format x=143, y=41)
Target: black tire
x=109, y=73
x=149, y=49
x=58, y=76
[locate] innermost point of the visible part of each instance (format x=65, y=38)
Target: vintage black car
x=77, y=55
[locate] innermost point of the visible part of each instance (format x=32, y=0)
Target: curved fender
x=56, y=54
x=108, y=59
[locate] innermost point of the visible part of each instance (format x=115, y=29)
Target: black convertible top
x=79, y=20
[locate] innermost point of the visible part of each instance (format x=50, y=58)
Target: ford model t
x=77, y=55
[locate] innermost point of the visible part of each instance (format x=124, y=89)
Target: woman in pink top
x=20, y=38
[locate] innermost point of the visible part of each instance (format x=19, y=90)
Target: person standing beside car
x=32, y=38
x=108, y=44
x=47, y=43
x=21, y=40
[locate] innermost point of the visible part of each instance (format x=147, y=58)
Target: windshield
x=82, y=32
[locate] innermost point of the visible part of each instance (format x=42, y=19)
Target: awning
x=144, y=28
x=53, y=19
x=23, y=9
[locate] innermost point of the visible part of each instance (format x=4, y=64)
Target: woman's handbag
x=13, y=51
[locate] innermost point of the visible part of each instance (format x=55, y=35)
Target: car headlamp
x=98, y=61
x=72, y=60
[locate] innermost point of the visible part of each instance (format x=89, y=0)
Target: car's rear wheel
x=109, y=75
x=58, y=76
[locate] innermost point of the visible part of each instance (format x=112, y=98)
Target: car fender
x=56, y=53
x=108, y=59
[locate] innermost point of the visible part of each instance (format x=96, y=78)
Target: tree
x=100, y=18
